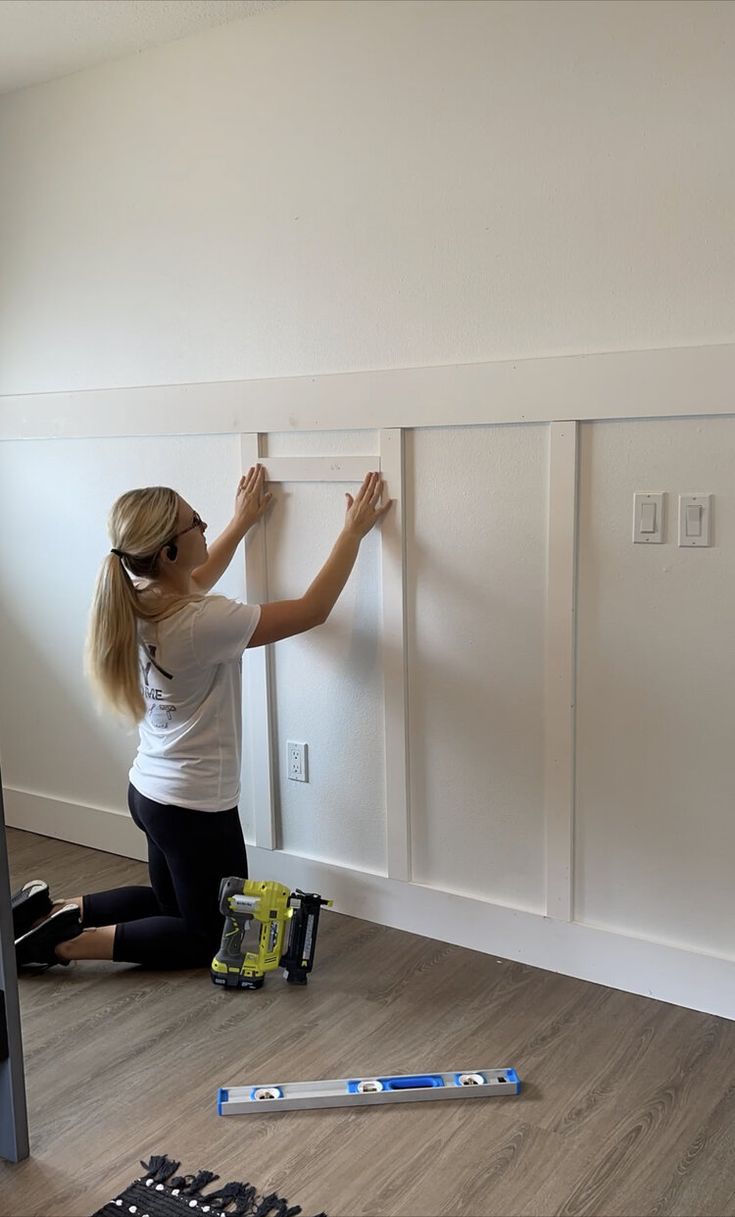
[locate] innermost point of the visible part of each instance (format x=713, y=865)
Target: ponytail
x=141, y=523
x=112, y=640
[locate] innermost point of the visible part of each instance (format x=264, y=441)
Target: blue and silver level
x=354, y=1092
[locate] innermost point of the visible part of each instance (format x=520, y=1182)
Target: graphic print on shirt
x=159, y=711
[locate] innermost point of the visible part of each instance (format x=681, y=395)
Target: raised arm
x=251, y=501
x=284, y=618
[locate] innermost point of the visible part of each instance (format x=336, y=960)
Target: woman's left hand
x=251, y=498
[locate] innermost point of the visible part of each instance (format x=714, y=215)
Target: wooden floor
x=628, y=1105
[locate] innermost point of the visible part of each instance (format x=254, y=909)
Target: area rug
x=160, y=1192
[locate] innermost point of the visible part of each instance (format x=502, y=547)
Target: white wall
x=656, y=688
x=336, y=186
x=376, y=186
x=476, y=565
x=328, y=689
x=56, y=498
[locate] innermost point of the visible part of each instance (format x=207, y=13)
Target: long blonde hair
x=141, y=524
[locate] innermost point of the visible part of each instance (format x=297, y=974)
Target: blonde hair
x=141, y=524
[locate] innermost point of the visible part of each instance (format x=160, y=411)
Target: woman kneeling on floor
x=168, y=655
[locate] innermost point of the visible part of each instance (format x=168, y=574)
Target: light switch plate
x=695, y=520
x=648, y=519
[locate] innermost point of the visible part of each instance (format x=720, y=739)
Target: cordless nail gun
x=256, y=916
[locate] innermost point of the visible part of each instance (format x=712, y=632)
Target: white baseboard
x=636, y=965
x=95, y=827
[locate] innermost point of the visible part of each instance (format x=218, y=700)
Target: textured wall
x=328, y=686
x=476, y=553
x=656, y=689
x=338, y=186
x=377, y=186
x=46, y=40
x=55, y=498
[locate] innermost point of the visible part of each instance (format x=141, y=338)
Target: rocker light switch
x=695, y=517
x=694, y=521
x=648, y=519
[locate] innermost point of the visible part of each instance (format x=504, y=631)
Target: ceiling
x=41, y=40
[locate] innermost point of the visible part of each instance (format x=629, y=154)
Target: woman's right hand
x=364, y=511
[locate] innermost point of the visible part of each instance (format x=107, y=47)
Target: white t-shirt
x=190, y=746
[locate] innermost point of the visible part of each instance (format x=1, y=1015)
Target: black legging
x=176, y=922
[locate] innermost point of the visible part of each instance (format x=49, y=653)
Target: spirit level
x=354, y=1092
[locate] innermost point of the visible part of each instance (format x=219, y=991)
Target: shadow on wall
x=357, y=639
x=328, y=690
x=483, y=713
x=476, y=706
x=54, y=741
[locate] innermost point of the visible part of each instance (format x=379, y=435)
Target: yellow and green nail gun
x=256, y=916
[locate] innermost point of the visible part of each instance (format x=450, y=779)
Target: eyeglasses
x=197, y=522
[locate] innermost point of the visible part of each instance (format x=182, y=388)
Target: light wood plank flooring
x=628, y=1104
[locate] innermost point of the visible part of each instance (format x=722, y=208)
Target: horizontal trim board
x=635, y=965
x=618, y=384
x=319, y=468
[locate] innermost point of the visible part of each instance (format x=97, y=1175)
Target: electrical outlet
x=296, y=761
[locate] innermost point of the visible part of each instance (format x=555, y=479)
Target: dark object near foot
x=28, y=904
x=35, y=950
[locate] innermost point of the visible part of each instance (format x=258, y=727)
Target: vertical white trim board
x=559, y=662
x=636, y=965
x=395, y=672
x=258, y=763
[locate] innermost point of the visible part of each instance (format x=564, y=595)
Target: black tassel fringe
x=160, y=1168
x=191, y=1185
x=163, y=1190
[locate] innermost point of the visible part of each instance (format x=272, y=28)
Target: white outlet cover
x=297, y=761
